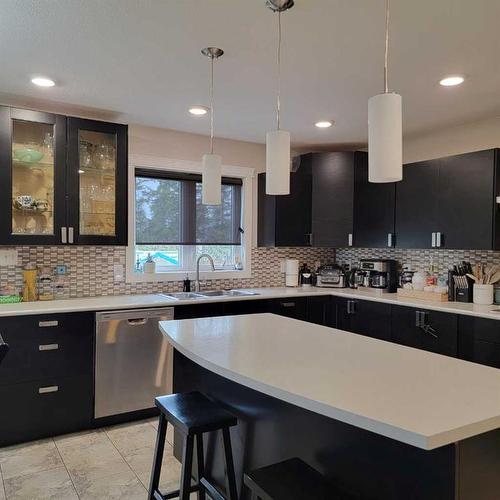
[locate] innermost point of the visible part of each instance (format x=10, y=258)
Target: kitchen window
x=173, y=227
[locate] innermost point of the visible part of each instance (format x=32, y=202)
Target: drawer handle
x=288, y=304
x=48, y=389
x=48, y=324
x=48, y=347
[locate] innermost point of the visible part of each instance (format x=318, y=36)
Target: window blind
x=169, y=210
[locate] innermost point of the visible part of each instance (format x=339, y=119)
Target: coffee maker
x=379, y=274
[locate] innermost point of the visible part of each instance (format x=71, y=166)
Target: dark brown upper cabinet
x=416, y=205
x=332, y=199
x=374, y=205
x=285, y=220
x=62, y=180
x=450, y=203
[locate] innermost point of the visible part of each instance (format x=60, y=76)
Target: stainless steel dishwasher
x=133, y=360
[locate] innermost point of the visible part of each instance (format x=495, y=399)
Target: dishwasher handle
x=137, y=321
x=136, y=316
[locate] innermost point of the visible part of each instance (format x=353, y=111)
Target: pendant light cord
x=278, y=100
x=386, y=81
x=211, y=105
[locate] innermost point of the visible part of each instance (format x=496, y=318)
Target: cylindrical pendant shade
x=385, y=138
x=211, y=180
x=278, y=162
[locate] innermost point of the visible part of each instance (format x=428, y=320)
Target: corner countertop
x=115, y=302
x=416, y=397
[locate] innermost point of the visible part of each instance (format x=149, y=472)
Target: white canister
x=483, y=294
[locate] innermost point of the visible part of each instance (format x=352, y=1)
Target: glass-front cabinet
x=97, y=169
x=62, y=180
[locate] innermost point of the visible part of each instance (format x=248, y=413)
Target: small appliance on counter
x=291, y=272
x=331, y=276
x=378, y=274
x=305, y=276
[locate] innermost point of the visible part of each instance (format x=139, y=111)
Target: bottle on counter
x=186, y=284
x=30, y=273
x=149, y=265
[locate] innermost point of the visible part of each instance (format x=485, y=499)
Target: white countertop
x=114, y=302
x=420, y=398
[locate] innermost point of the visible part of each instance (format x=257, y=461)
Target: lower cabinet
x=365, y=317
x=424, y=329
x=479, y=340
x=46, y=378
x=199, y=310
x=246, y=307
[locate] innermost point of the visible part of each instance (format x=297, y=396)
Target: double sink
x=208, y=294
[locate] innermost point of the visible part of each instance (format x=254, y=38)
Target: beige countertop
x=116, y=302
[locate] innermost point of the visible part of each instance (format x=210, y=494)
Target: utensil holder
x=483, y=294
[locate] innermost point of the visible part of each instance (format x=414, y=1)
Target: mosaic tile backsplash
x=90, y=269
x=419, y=260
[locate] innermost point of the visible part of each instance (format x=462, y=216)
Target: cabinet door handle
x=418, y=319
x=433, y=240
x=438, y=240
x=310, y=238
x=48, y=347
x=48, y=389
x=288, y=304
x=48, y=324
x=349, y=240
x=64, y=235
x=70, y=235
x=389, y=239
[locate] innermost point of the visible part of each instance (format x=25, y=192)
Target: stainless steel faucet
x=197, y=282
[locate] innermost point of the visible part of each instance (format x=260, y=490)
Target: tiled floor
x=108, y=463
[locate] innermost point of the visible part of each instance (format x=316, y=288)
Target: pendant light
x=385, y=132
x=211, y=164
x=278, y=141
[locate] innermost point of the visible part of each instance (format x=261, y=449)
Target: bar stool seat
x=193, y=414
x=291, y=479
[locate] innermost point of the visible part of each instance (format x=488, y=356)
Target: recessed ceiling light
x=43, y=82
x=198, y=110
x=451, y=81
x=324, y=124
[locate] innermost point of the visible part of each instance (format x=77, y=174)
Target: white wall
x=472, y=136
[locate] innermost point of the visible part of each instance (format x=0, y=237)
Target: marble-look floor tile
x=54, y=484
x=133, y=436
x=111, y=487
x=170, y=429
x=28, y=458
x=84, y=439
x=141, y=463
x=93, y=461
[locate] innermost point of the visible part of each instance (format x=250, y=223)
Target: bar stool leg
x=187, y=467
x=201, y=464
x=159, y=448
x=230, y=477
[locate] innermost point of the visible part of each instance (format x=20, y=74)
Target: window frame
x=247, y=175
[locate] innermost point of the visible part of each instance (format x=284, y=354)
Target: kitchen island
x=382, y=421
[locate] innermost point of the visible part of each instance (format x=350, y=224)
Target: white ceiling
x=141, y=59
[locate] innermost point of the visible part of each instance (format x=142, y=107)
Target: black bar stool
x=289, y=480
x=193, y=414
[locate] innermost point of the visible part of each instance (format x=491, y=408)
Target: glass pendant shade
x=278, y=162
x=211, y=179
x=385, y=138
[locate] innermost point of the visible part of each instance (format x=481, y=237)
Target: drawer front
x=292, y=308
x=246, y=307
x=46, y=346
x=34, y=410
x=486, y=353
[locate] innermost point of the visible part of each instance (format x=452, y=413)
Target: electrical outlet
x=8, y=257
x=118, y=273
